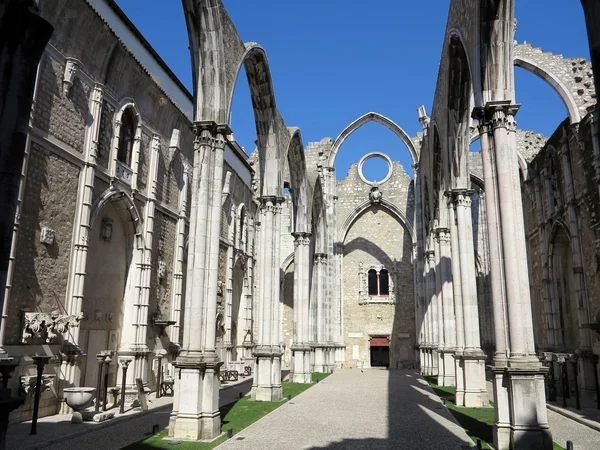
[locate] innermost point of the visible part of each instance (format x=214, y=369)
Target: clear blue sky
x=335, y=60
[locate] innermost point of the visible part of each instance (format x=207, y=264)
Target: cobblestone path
x=358, y=409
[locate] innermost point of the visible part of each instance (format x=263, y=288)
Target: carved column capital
x=301, y=238
x=320, y=258
x=500, y=114
x=462, y=197
x=443, y=235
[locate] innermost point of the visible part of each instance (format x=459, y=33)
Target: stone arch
x=372, y=117
x=300, y=195
x=125, y=104
x=390, y=207
x=127, y=208
x=555, y=83
x=266, y=117
x=475, y=96
x=460, y=89
x=112, y=277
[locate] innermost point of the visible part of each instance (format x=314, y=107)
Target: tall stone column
x=523, y=374
x=196, y=414
x=300, y=347
x=24, y=37
x=473, y=359
x=448, y=318
x=501, y=406
x=320, y=268
x=230, y=340
x=432, y=298
x=459, y=372
x=441, y=345
x=428, y=311
x=591, y=10
x=176, y=297
x=268, y=350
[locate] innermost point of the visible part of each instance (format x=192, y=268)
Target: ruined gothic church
x=143, y=231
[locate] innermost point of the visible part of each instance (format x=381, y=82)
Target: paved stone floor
x=57, y=432
x=358, y=409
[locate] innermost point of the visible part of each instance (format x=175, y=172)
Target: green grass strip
x=237, y=415
x=477, y=422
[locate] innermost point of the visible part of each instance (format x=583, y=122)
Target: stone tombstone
x=141, y=394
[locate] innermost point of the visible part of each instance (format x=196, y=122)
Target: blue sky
x=333, y=61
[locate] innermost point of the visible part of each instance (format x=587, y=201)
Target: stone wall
x=377, y=237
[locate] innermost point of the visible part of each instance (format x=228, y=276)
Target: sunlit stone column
x=447, y=306
x=431, y=329
x=458, y=307
x=320, y=267
x=501, y=405
x=268, y=350
x=196, y=412
x=439, y=350
x=524, y=374
x=473, y=358
x=300, y=347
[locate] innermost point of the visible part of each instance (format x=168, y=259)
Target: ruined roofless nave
x=135, y=225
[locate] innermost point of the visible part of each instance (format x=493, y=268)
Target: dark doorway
x=380, y=352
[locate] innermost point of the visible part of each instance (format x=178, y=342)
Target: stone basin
x=78, y=398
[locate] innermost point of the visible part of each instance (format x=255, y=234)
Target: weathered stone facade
x=151, y=231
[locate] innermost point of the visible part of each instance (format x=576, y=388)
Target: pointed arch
x=390, y=207
x=127, y=209
x=372, y=117
x=555, y=83
x=300, y=194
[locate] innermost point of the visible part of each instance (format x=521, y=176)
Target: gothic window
x=126, y=137
x=384, y=282
x=373, y=290
x=376, y=285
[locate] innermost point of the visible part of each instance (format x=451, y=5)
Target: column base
x=319, y=355
x=434, y=361
x=301, y=357
x=267, y=374
x=441, y=366
x=459, y=374
x=502, y=429
x=449, y=377
x=527, y=402
x=195, y=414
x=474, y=372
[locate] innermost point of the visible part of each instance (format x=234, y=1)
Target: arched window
x=373, y=282
x=126, y=137
x=384, y=282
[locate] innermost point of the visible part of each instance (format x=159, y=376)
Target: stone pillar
x=196, y=414
x=301, y=372
x=502, y=412
x=524, y=375
x=441, y=344
x=320, y=263
x=268, y=351
x=432, y=309
x=176, y=297
x=25, y=35
x=473, y=359
x=230, y=340
x=591, y=9
x=449, y=320
x=458, y=306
